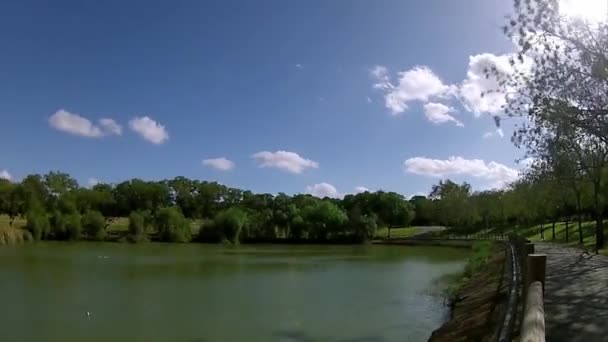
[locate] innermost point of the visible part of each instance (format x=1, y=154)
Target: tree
x=38, y=223
x=561, y=87
x=324, y=219
x=453, y=203
x=73, y=225
x=172, y=226
x=137, y=227
x=228, y=224
x=94, y=224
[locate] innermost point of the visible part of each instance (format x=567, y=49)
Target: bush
x=229, y=223
x=58, y=228
x=137, y=227
x=73, y=226
x=93, y=224
x=172, y=226
x=38, y=224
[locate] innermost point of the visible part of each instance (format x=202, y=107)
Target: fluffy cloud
x=110, y=126
x=5, y=175
x=75, y=124
x=418, y=83
x=221, y=164
x=284, y=160
x=476, y=84
x=149, y=129
x=322, y=190
x=438, y=113
x=497, y=174
x=361, y=189
x=92, y=182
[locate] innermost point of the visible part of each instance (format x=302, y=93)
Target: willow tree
x=560, y=88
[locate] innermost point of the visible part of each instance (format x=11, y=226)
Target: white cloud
x=498, y=174
x=299, y=66
x=500, y=132
x=418, y=83
x=476, y=83
x=92, y=182
x=65, y=121
x=5, y=175
x=221, y=163
x=149, y=129
x=110, y=126
x=322, y=190
x=488, y=135
x=438, y=113
x=369, y=100
x=360, y=189
x=284, y=160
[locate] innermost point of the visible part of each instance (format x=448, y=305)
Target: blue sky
x=295, y=96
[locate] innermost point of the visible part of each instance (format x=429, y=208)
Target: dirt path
x=576, y=295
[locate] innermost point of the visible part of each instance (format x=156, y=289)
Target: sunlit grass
x=382, y=233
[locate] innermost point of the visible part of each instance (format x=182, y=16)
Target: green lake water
x=194, y=292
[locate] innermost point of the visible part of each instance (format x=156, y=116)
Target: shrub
x=58, y=227
x=73, y=226
x=38, y=224
x=172, y=226
x=93, y=224
x=229, y=223
x=137, y=227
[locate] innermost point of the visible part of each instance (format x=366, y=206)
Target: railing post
x=533, y=325
x=536, y=269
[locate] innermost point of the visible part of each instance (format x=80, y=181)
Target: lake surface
x=194, y=292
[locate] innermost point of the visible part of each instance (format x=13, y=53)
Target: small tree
x=94, y=224
x=229, y=223
x=38, y=224
x=137, y=227
x=73, y=226
x=172, y=226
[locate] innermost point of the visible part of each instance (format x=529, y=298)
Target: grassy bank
x=571, y=239
x=481, y=252
x=478, y=297
x=382, y=233
x=15, y=234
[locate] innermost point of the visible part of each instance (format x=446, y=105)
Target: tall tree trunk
x=553, y=230
x=599, y=220
x=542, y=231
x=580, y=228
x=567, y=238
x=389, y=231
x=579, y=217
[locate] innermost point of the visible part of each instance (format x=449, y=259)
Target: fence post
x=533, y=325
x=536, y=269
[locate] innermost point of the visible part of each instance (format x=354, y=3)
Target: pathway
x=576, y=295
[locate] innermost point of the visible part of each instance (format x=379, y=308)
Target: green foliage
x=229, y=223
x=94, y=223
x=172, y=226
x=481, y=252
x=324, y=219
x=38, y=223
x=73, y=226
x=137, y=227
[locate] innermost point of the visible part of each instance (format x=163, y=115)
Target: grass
x=382, y=233
x=533, y=234
x=117, y=226
x=13, y=234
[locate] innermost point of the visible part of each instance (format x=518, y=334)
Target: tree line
x=56, y=207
